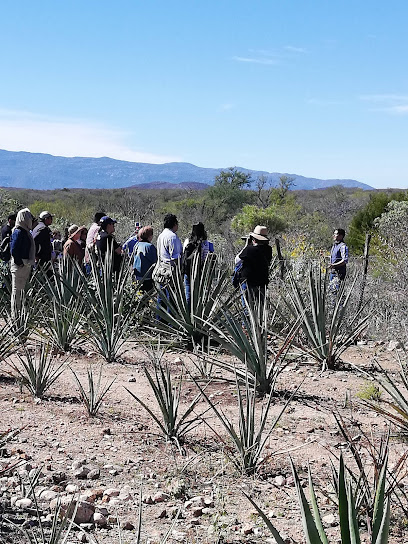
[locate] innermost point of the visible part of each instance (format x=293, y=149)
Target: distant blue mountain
x=41, y=171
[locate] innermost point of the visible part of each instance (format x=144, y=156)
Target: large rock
x=84, y=513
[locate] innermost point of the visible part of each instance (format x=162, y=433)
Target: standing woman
x=256, y=258
x=145, y=258
x=196, y=242
x=22, y=247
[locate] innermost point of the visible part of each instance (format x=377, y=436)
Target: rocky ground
x=111, y=464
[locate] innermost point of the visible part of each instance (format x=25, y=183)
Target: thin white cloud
x=294, y=49
x=26, y=131
x=395, y=104
x=256, y=60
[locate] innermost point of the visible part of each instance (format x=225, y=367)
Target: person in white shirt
x=169, y=252
x=169, y=246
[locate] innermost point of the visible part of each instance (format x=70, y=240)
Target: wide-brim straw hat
x=260, y=233
x=78, y=229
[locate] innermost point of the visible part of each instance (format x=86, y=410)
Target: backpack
x=5, y=254
x=187, y=259
x=236, y=279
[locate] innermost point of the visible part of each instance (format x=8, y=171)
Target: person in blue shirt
x=145, y=257
x=338, y=256
x=130, y=245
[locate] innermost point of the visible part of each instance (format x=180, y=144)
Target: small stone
x=82, y=472
x=178, y=361
x=71, y=488
x=102, y=510
x=279, y=481
x=59, y=477
x=111, y=492
x=47, y=495
x=330, y=520
x=24, y=503
x=93, y=474
x=160, y=497
x=147, y=499
x=247, y=529
x=197, y=512
x=132, y=379
x=77, y=463
x=100, y=520
x=209, y=503
x=162, y=514
x=394, y=344
x=107, y=431
x=127, y=525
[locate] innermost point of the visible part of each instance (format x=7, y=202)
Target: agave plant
x=350, y=534
x=210, y=291
x=250, y=436
x=92, y=395
x=172, y=424
x=63, y=291
x=396, y=409
x=38, y=370
x=326, y=329
x=245, y=334
x=109, y=315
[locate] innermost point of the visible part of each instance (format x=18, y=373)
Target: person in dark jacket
x=22, y=249
x=6, y=237
x=256, y=258
x=145, y=257
x=105, y=242
x=42, y=238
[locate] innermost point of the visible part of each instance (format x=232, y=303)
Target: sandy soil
x=126, y=445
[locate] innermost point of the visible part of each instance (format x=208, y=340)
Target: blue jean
x=187, y=288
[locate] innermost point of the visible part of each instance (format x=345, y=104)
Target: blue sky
x=315, y=88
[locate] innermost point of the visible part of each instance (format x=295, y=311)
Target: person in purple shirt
x=338, y=256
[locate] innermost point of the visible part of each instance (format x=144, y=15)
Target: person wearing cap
x=42, y=238
x=129, y=247
x=256, y=258
x=106, y=242
x=73, y=247
x=6, y=237
x=22, y=249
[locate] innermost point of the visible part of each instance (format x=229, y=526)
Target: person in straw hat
x=73, y=246
x=256, y=258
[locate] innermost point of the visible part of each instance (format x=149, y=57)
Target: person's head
x=146, y=234
x=107, y=224
x=73, y=228
x=25, y=219
x=259, y=236
x=98, y=216
x=170, y=222
x=338, y=235
x=198, y=233
x=84, y=232
x=46, y=218
x=77, y=233
x=11, y=219
x=56, y=235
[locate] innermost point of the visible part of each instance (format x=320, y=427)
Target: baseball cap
x=44, y=215
x=106, y=220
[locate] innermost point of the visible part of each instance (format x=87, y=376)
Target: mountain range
x=20, y=169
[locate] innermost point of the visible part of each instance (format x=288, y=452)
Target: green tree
x=250, y=216
x=364, y=221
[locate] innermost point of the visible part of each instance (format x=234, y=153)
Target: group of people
x=28, y=242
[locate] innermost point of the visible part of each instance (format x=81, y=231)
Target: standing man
x=42, y=238
x=338, y=256
x=169, y=246
x=169, y=252
x=6, y=237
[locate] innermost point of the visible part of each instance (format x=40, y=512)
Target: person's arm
x=344, y=257
x=16, y=244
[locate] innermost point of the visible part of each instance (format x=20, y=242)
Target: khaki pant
x=19, y=277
